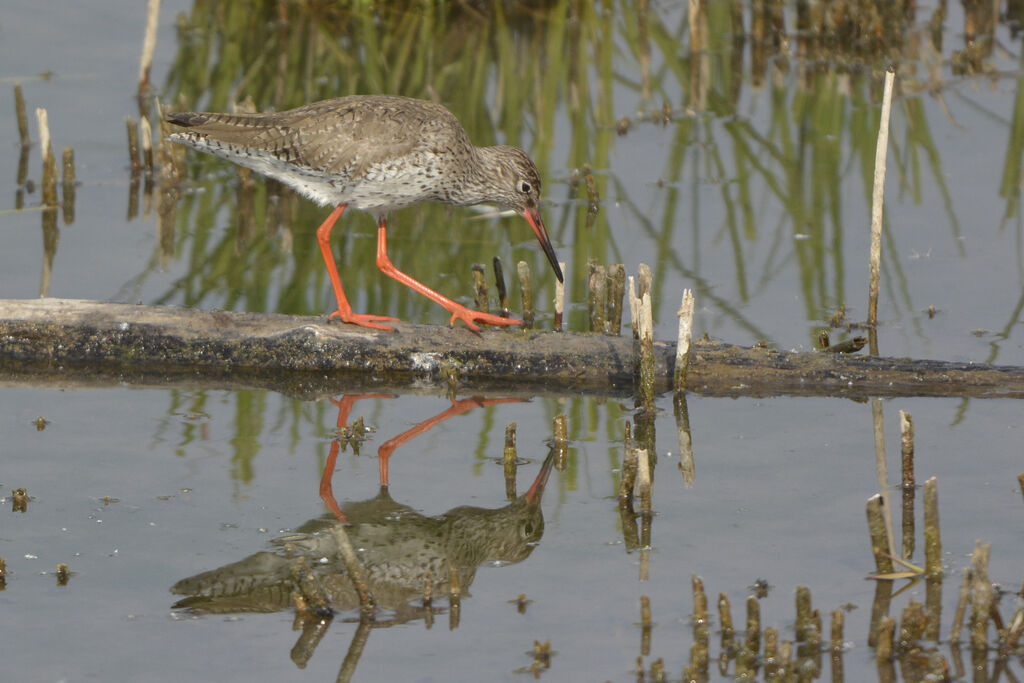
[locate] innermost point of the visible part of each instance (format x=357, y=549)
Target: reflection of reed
x=51, y=234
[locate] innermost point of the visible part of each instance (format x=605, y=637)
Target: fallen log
x=75, y=343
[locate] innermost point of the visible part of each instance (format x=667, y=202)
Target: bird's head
x=517, y=187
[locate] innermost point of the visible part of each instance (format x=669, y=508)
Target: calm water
x=713, y=200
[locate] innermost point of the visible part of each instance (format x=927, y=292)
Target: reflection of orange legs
x=346, y=402
x=326, y=490
x=385, y=451
x=458, y=311
x=457, y=408
x=344, y=312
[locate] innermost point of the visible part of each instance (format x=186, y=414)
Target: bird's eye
x=525, y=187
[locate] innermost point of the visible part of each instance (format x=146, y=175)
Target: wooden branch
x=71, y=343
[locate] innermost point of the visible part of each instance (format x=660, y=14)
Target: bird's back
x=369, y=151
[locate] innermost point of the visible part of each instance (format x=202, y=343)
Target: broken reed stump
x=725, y=620
x=982, y=597
x=616, y=292
x=499, y=283
x=526, y=293
x=908, y=484
x=68, y=184
x=19, y=109
x=597, y=297
x=932, y=541
x=480, y=288
x=559, y=300
x=683, y=340
x=700, y=602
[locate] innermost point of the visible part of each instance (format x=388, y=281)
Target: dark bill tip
x=532, y=217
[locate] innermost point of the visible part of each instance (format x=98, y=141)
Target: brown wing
x=342, y=136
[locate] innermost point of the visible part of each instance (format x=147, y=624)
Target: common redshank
x=375, y=153
x=401, y=550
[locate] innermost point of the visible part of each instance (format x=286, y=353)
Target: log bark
x=72, y=343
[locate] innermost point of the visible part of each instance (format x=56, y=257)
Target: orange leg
x=458, y=311
x=344, y=312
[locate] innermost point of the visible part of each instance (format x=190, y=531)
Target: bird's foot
x=364, y=320
x=471, y=317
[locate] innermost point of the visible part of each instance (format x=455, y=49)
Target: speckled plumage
x=399, y=549
x=371, y=152
x=375, y=153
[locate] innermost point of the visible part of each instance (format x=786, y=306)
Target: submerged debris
x=19, y=500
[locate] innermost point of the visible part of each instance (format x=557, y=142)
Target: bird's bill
x=532, y=217
x=537, y=490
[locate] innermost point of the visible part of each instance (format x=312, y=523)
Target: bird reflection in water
x=407, y=558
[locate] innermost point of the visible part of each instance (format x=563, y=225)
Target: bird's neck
x=486, y=163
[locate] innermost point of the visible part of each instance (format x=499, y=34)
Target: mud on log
x=67, y=343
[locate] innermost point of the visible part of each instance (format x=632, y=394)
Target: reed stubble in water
x=803, y=613
x=982, y=598
x=68, y=185
x=879, y=537
x=22, y=116
x=725, y=620
x=932, y=540
x=616, y=292
x=752, y=644
x=699, y=651
x=499, y=284
x=597, y=295
x=877, y=194
x=908, y=484
x=771, y=652
x=836, y=635
x=481, y=298
x=526, y=291
x=559, y=299
x=509, y=461
x=685, y=315
x=884, y=639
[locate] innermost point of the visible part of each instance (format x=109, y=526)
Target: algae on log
x=86, y=343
